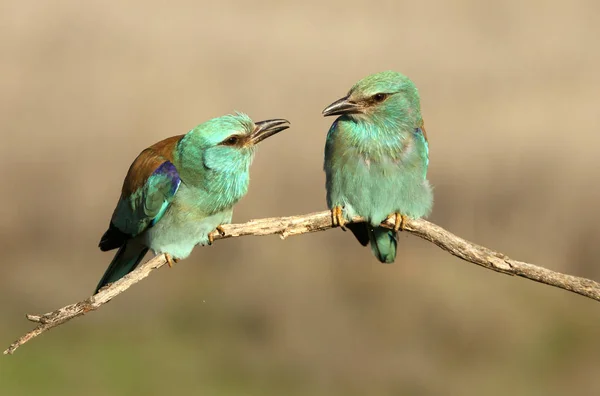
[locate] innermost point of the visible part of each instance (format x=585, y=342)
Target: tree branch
x=295, y=225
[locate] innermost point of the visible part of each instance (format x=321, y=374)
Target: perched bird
x=376, y=160
x=181, y=189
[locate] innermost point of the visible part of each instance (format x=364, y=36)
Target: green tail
x=383, y=244
x=127, y=258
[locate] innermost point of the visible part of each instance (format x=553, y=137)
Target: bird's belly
x=376, y=189
x=179, y=231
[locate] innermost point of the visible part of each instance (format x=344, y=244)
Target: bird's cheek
x=217, y=158
x=250, y=155
x=225, y=159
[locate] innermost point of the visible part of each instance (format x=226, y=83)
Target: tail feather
x=383, y=244
x=126, y=260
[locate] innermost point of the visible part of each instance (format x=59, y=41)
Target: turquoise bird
x=376, y=160
x=181, y=189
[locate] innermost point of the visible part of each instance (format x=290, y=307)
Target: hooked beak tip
x=267, y=128
x=341, y=107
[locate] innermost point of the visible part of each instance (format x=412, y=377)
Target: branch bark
x=321, y=221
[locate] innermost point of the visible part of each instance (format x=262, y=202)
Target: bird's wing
x=149, y=187
x=421, y=136
x=360, y=231
x=422, y=130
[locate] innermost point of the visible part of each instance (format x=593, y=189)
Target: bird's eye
x=380, y=97
x=231, y=141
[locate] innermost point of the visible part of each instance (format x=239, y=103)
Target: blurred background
x=510, y=95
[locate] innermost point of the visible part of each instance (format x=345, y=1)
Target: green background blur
x=510, y=94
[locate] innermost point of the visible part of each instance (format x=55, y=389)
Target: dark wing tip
x=360, y=232
x=113, y=238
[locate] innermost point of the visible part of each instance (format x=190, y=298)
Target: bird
x=181, y=189
x=376, y=160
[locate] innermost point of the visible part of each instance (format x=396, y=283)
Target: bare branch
x=295, y=225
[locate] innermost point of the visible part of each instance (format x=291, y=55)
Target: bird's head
x=227, y=142
x=386, y=97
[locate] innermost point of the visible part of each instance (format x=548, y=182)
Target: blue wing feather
x=146, y=205
x=169, y=172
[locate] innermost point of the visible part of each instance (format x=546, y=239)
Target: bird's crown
x=387, y=82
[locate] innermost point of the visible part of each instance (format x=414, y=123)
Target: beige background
x=510, y=95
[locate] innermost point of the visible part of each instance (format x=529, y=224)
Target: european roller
x=181, y=189
x=376, y=159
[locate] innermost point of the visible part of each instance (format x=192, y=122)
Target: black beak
x=267, y=128
x=342, y=106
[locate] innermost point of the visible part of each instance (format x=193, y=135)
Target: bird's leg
x=170, y=260
x=399, y=221
x=211, y=237
x=337, y=217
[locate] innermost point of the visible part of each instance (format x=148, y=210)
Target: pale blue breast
x=184, y=225
x=375, y=186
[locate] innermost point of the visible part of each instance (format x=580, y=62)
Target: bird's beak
x=267, y=128
x=342, y=106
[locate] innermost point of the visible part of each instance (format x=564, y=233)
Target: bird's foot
x=399, y=221
x=337, y=217
x=170, y=260
x=211, y=237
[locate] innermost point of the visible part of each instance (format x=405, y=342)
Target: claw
x=170, y=260
x=337, y=217
x=399, y=221
x=211, y=237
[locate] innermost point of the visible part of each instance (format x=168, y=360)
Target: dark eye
x=231, y=141
x=380, y=97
